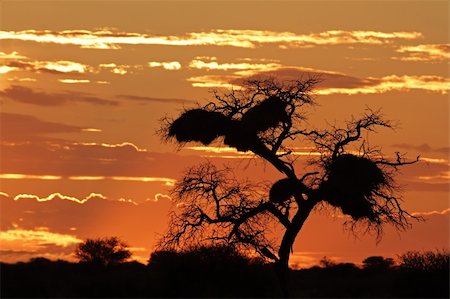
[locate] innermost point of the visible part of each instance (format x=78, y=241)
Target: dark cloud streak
x=41, y=98
x=422, y=148
x=154, y=100
x=20, y=127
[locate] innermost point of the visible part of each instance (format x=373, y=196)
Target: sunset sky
x=84, y=85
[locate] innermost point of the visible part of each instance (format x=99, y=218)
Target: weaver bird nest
x=353, y=183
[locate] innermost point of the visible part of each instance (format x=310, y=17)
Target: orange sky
x=84, y=84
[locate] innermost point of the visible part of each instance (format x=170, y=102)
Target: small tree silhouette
x=266, y=117
x=103, y=251
x=378, y=263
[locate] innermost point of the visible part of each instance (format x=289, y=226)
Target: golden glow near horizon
x=37, y=237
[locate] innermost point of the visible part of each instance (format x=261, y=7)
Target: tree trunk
x=282, y=265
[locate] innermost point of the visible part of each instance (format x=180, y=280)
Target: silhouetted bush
x=425, y=261
x=423, y=274
x=378, y=263
x=210, y=271
x=103, y=251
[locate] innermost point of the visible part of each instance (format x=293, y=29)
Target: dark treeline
x=223, y=272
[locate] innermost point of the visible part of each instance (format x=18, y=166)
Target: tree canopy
x=103, y=251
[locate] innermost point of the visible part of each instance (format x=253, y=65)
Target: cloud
x=214, y=65
x=15, y=62
x=443, y=212
x=23, y=79
x=428, y=186
x=425, y=53
x=20, y=176
x=434, y=160
x=327, y=79
x=169, y=65
x=59, y=196
x=424, y=147
x=60, y=67
x=123, y=162
x=116, y=69
x=443, y=176
x=160, y=196
x=41, y=98
x=95, y=130
x=19, y=244
x=330, y=82
x=154, y=100
x=74, y=81
x=4, y=69
x=38, y=236
x=232, y=153
x=395, y=83
x=12, y=55
x=215, y=81
x=106, y=39
x=26, y=127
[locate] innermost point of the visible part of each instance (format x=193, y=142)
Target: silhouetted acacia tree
x=103, y=251
x=266, y=117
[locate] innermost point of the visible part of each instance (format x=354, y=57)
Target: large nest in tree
x=352, y=184
x=239, y=137
x=198, y=125
x=267, y=114
x=283, y=190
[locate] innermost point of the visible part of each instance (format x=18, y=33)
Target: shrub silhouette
x=377, y=263
x=425, y=261
x=423, y=274
x=103, y=251
x=210, y=271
